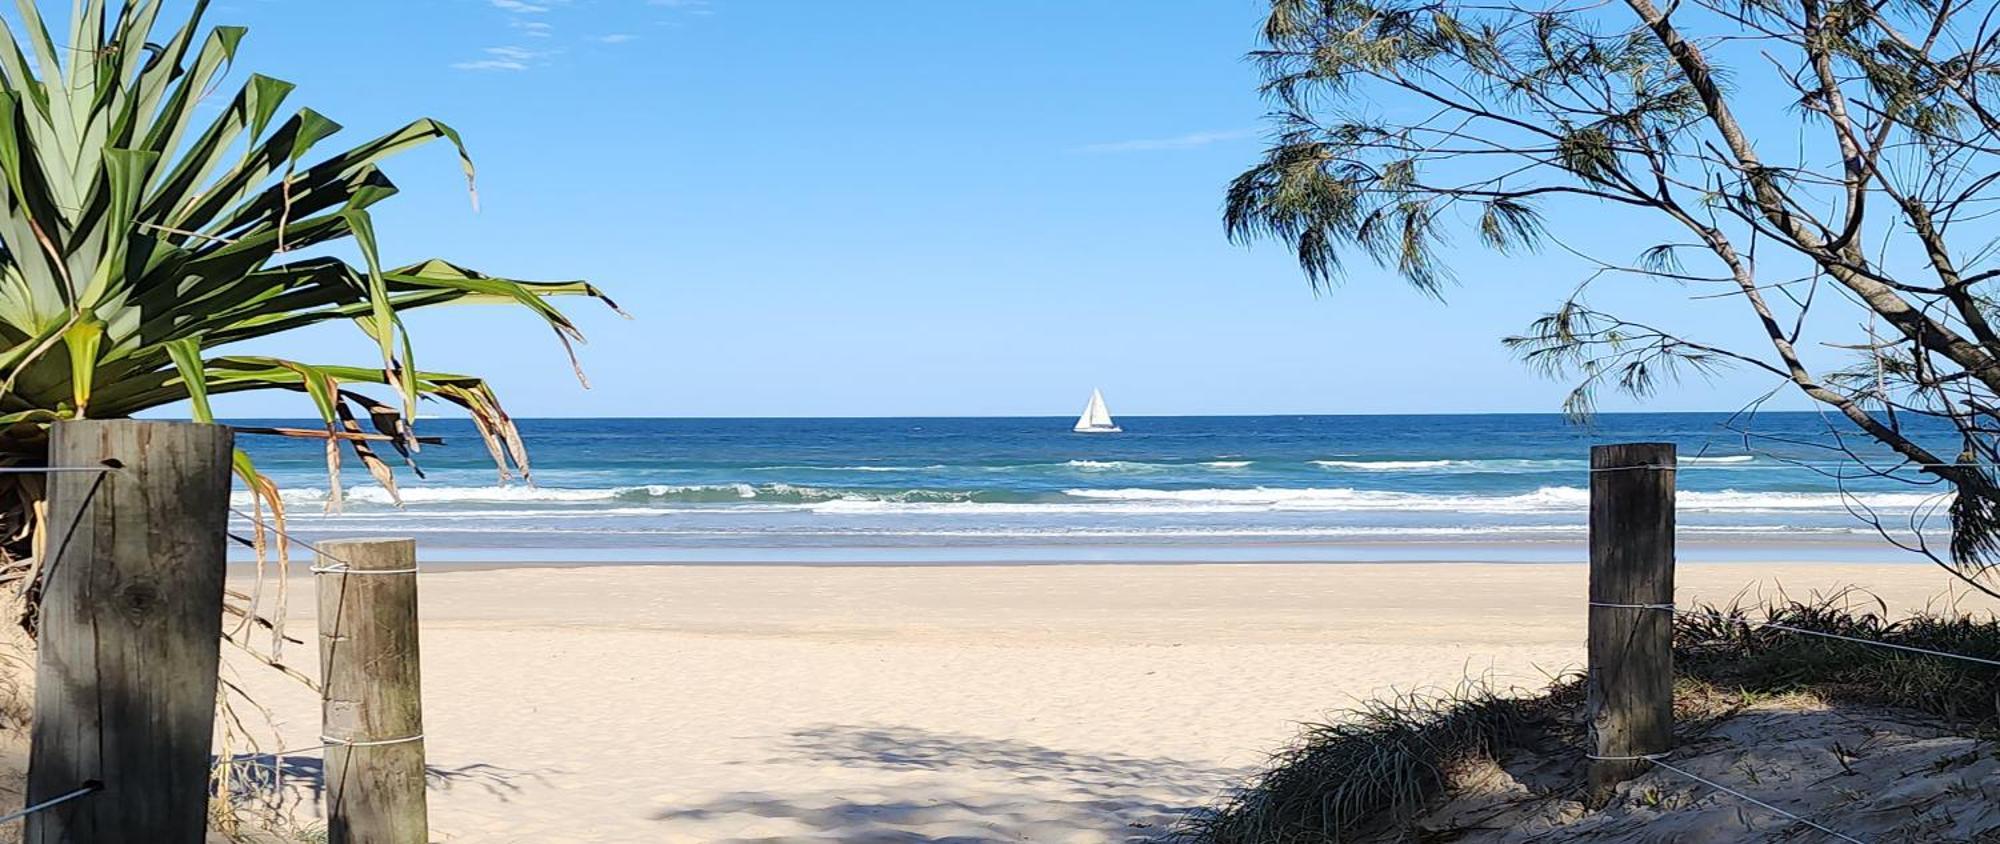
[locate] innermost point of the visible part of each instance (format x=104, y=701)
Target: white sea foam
x=1732, y=500
x=1280, y=498
x=1383, y=465
x=1226, y=464
x=1546, y=499
x=655, y=498
x=1577, y=531
x=1451, y=465
x=558, y=527
x=774, y=493
x=419, y=494
x=1726, y=459
x=931, y=468
x=1115, y=466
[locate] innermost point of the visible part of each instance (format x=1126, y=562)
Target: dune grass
x=1380, y=765
x=1385, y=759
x=1724, y=647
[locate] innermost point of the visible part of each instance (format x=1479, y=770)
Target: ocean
x=943, y=490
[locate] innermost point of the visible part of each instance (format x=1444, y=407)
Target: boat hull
x=1111, y=430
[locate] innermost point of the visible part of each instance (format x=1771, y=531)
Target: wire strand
x=1879, y=644
x=47, y=570
x=88, y=788
x=344, y=569
x=1670, y=608
x=287, y=537
x=325, y=743
x=340, y=566
x=1643, y=757
x=1768, y=807
x=332, y=742
x=54, y=470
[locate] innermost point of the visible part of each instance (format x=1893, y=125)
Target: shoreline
x=238, y=568
x=1765, y=549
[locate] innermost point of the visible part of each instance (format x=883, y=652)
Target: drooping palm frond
x=139, y=238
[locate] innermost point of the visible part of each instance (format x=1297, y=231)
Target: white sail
x=1096, y=419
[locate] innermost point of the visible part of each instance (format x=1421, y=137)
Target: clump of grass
x=1382, y=762
x=1729, y=648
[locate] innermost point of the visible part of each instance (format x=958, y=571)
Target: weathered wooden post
x=1631, y=660
x=130, y=631
x=372, y=710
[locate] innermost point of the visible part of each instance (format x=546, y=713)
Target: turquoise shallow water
x=1027, y=489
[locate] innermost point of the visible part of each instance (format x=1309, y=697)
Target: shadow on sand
x=983, y=790
x=293, y=780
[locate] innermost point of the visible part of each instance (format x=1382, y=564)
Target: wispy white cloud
x=534, y=19
x=489, y=64
x=504, y=58
x=518, y=54
x=617, y=38
x=1191, y=140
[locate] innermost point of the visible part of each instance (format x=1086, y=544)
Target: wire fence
x=48, y=562
x=340, y=567
x=1659, y=760
x=1839, y=472
x=343, y=568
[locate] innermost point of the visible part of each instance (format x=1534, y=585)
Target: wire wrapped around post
x=1631, y=669
x=372, y=710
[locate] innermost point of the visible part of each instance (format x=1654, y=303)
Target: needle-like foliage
x=1806, y=171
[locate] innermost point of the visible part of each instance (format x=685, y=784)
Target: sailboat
x=1096, y=419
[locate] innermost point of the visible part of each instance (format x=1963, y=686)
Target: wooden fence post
x=1631, y=660
x=372, y=710
x=130, y=631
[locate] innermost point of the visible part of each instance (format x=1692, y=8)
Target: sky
x=882, y=208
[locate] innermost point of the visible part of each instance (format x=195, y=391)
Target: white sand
x=1869, y=774
x=1033, y=703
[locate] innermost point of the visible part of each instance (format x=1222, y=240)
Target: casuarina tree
x=1820, y=172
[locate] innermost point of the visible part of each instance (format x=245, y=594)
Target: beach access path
x=1060, y=703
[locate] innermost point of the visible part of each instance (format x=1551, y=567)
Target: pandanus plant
x=143, y=233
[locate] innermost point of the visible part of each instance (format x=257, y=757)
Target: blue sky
x=881, y=208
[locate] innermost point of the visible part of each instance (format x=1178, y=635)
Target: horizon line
x=693, y=418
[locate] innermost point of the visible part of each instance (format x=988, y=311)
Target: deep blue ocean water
x=1191, y=488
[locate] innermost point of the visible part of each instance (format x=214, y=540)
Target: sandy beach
x=1012, y=422
x=1074, y=703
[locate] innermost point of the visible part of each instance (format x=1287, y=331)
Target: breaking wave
x=1548, y=499
x=1454, y=465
